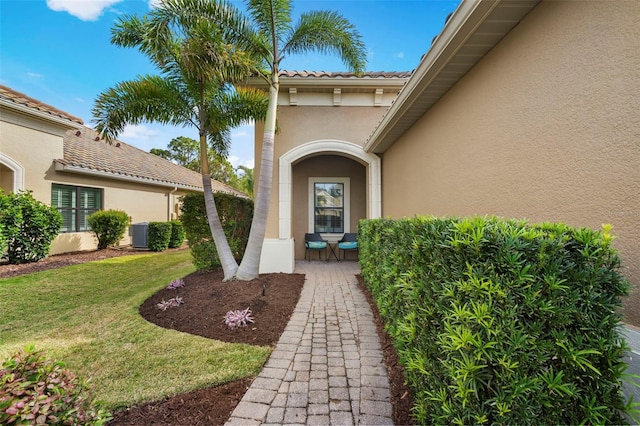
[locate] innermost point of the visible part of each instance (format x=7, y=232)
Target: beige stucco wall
x=300, y=125
x=327, y=166
x=34, y=144
x=545, y=127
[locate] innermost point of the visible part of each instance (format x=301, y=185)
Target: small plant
x=38, y=391
x=109, y=226
x=238, y=318
x=177, y=234
x=171, y=303
x=159, y=235
x=176, y=284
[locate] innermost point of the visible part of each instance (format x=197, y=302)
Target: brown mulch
x=206, y=300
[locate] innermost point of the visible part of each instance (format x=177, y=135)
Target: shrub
x=34, y=390
x=109, y=226
x=500, y=322
x=177, y=234
x=235, y=214
x=28, y=227
x=159, y=235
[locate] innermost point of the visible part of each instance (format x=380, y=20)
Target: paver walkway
x=327, y=367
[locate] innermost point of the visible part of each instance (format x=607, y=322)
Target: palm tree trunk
x=229, y=264
x=249, y=267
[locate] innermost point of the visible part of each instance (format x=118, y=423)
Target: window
x=75, y=203
x=329, y=205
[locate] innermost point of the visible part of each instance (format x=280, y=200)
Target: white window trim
x=18, y=171
x=347, y=202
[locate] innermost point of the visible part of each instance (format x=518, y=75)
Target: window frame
x=77, y=212
x=346, y=183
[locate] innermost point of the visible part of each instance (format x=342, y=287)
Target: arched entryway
x=326, y=148
x=278, y=254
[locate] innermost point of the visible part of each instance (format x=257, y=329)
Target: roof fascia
x=464, y=21
x=331, y=82
x=60, y=167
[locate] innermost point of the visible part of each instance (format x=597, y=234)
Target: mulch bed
x=206, y=300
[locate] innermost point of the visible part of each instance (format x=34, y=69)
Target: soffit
x=473, y=30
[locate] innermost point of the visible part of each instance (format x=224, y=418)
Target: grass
x=87, y=316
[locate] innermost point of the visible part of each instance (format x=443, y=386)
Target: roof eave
x=456, y=34
x=62, y=167
x=23, y=109
x=355, y=82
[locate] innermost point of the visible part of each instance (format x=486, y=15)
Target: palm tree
x=194, y=90
x=269, y=34
x=246, y=180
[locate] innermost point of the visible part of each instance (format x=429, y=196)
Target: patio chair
x=349, y=242
x=312, y=242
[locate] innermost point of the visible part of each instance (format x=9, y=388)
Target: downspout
x=169, y=203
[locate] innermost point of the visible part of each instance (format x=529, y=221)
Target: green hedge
x=27, y=227
x=177, y=234
x=235, y=214
x=159, y=235
x=500, y=322
x=109, y=226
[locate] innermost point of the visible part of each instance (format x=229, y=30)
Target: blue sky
x=58, y=51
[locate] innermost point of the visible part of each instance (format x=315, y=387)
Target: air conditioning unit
x=139, y=235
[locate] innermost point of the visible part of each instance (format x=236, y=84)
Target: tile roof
x=29, y=102
x=86, y=152
x=321, y=74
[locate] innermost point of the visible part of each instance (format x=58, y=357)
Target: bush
x=500, y=322
x=109, y=226
x=36, y=391
x=159, y=235
x=28, y=227
x=235, y=214
x=177, y=234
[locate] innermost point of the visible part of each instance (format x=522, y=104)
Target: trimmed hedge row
x=500, y=321
x=164, y=235
x=235, y=214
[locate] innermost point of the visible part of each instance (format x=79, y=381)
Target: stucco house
x=522, y=109
x=67, y=165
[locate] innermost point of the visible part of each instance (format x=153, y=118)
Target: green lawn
x=87, y=316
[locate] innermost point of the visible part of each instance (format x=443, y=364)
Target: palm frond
x=220, y=142
x=234, y=27
x=272, y=17
x=147, y=99
x=328, y=32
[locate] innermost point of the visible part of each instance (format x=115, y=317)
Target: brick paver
x=327, y=367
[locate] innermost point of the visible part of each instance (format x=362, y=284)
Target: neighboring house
x=67, y=165
x=522, y=109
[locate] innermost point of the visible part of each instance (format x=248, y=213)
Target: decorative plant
x=175, y=284
x=109, y=226
x=171, y=303
x=28, y=227
x=238, y=318
x=34, y=390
